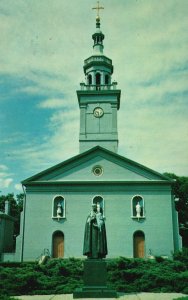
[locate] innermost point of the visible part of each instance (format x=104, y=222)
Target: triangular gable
x=80, y=168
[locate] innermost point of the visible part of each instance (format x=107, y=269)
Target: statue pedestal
x=95, y=277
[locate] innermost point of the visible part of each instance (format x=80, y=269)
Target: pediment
x=82, y=167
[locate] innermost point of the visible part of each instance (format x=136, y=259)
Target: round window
x=97, y=170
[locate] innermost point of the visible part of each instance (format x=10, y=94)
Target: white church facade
x=137, y=202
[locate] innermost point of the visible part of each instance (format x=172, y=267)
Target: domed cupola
x=98, y=68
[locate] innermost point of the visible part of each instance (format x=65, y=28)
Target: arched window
x=58, y=244
x=89, y=79
x=137, y=207
x=98, y=78
x=139, y=244
x=100, y=200
x=58, y=207
x=106, y=79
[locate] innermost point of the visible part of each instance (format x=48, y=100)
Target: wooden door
x=139, y=245
x=58, y=245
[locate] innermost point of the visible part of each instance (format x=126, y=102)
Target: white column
x=103, y=78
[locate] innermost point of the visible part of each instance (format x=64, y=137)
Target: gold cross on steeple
x=98, y=8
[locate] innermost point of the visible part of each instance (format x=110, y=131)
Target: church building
x=137, y=202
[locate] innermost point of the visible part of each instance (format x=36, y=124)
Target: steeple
x=98, y=62
x=98, y=36
x=98, y=98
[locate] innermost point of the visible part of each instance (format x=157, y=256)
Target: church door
x=139, y=244
x=58, y=244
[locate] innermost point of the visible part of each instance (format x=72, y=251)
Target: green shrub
x=159, y=259
x=182, y=256
x=148, y=276
x=61, y=276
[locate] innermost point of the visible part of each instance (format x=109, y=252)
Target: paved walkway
x=139, y=296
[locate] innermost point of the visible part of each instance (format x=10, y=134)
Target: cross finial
x=98, y=9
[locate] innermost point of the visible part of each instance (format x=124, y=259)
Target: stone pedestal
x=95, y=277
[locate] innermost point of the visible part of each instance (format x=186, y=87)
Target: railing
x=95, y=87
x=97, y=58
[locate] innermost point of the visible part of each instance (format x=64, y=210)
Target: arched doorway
x=139, y=244
x=58, y=244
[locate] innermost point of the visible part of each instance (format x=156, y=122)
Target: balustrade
x=101, y=87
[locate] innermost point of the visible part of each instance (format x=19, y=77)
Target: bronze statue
x=95, y=243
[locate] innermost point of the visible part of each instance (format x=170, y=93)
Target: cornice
x=85, y=182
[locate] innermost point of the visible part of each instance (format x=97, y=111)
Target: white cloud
x=53, y=103
x=61, y=143
x=5, y=179
x=3, y=168
x=5, y=182
x=18, y=187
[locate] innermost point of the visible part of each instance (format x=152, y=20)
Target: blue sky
x=43, y=44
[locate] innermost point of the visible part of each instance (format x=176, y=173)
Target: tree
x=180, y=190
x=16, y=206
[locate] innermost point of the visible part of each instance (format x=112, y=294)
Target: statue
x=59, y=210
x=99, y=217
x=95, y=243
x=138, y=210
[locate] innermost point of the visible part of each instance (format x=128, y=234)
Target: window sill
x=134, y=217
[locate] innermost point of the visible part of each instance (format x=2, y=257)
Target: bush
x=181, y=256
x=137, y=275
x=57, y=276
x=159, y=259
x=61, y=276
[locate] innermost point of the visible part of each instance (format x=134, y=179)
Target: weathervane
x=98, y=9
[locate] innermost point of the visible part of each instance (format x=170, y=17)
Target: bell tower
x=99, y=98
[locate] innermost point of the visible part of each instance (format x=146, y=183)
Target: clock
x=98, y=112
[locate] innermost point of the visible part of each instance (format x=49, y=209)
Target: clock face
x=98, y=112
